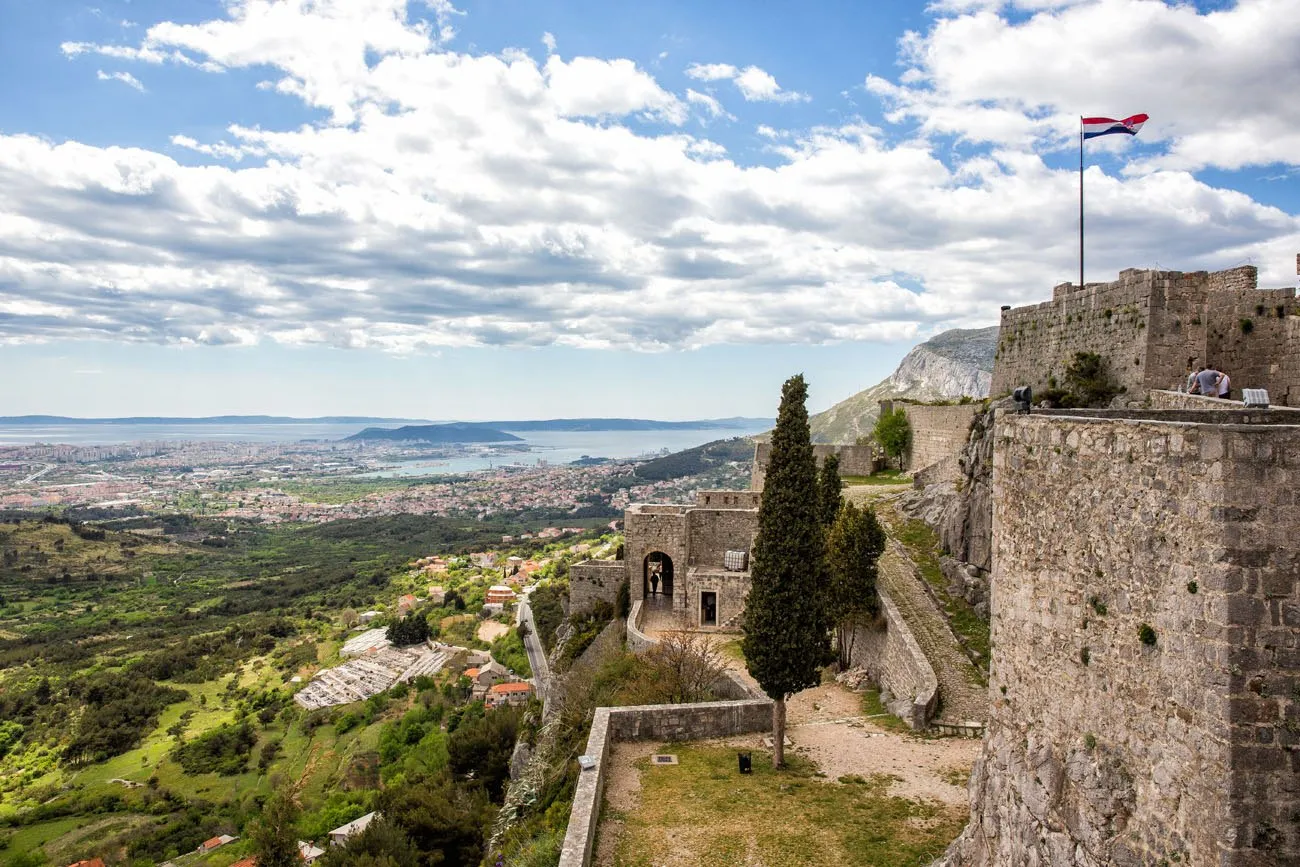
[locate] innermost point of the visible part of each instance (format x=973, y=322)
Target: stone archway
x=658, y=565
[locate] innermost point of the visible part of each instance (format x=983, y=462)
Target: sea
x=550, y=447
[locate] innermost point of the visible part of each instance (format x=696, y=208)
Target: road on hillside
x=536, y=655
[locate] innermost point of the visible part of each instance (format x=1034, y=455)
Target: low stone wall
x=594, y=580
x=651, y=722
x=946, y=470
x=1181, y=400
x=637, y=641
x=896, y=663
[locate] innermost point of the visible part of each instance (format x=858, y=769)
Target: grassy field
x=701, y=811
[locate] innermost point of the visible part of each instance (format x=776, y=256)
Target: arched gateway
x=657, y=576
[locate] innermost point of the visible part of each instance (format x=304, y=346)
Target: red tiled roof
x=511, y=687
x=92, y=862
x=471, y=672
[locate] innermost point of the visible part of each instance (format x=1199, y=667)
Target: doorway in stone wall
x=658, y=576
x=708, y=608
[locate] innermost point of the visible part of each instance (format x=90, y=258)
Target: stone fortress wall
x=939, y=432
x=595, y=580
x=1103, y=748
x=854, y=460
x=1150, y=324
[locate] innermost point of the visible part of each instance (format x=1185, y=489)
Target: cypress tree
x=828, y=490
x=853, y=548
x=787, y=613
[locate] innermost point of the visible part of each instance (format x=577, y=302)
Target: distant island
x=455, y=432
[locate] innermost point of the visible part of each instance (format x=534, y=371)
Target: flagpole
x=1081, y=202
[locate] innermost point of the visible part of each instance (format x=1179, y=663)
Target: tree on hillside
x=411, y=629
x=828, y=490
x=274, y=834
x=853, y=548
x=787, y=616
x=894, y=433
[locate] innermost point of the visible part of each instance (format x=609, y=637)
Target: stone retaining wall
x=896, y=663
x=654, y=722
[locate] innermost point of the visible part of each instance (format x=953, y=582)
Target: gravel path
x=962, y=697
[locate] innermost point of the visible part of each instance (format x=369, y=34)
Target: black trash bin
x=745, y=766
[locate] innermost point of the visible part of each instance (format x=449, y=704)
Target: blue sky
x=457, y=209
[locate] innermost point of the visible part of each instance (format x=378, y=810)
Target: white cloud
x=1209, y=80
x=758, y=86
x=474, y=199
x=754, y=84
x=221, y=150
x=711, y=71
x=548, y=39
x=708, y=104
x=125, y=77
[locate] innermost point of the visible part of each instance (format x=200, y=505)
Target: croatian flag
x=1095, y=126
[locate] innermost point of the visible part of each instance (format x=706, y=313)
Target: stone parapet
x=637, y=641
x=1181, y=400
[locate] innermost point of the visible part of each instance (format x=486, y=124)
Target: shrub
x=1246, y=326
x=1147, y=635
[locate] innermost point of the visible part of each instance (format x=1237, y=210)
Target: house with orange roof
x=214, y=842
x=91, y=862
x=512, y=694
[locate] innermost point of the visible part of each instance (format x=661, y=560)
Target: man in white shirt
x=1225, y=386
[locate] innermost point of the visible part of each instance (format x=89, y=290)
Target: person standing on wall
x=1225, y=386
x=1207, y=381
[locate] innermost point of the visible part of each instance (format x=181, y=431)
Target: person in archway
x=654, y=577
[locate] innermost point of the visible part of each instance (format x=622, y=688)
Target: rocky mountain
x=957, y=363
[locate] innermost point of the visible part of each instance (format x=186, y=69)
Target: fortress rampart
x=1145, y=681
x=1149, y=325
x=854, y=460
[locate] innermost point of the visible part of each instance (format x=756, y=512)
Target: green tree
x=828, y=489
x=787, y=614
x=623, y=600
x=853, y=548
x=894, y=433
x=1089, y=382
x=274, y=834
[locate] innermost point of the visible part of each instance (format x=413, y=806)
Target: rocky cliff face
x=951, y=365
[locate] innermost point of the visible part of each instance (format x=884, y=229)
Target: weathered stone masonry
x=1103, y=749
x=595, y=580
x=1150, y=324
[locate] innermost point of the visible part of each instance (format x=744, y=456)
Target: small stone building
x=676, y=560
